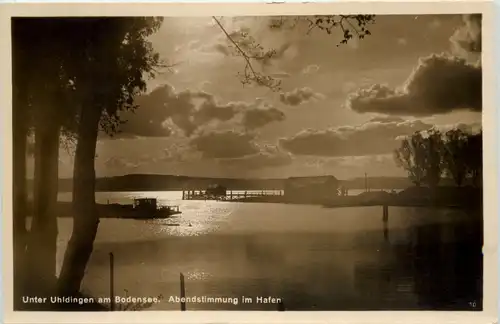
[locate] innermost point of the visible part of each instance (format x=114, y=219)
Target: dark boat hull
x=65, y=209
x=127, y=211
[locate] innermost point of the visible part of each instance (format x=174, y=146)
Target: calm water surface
x=314, y=258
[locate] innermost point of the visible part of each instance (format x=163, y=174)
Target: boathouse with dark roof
x=311, y=189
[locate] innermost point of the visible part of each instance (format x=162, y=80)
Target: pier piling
x=385, y=219
x=183, y=293
x=112, y=280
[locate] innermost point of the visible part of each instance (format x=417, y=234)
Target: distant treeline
x=156, y=182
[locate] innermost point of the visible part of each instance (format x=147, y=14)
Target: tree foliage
x=411, y=157
x=455, y=155
x=112, y=67
x=427, y=157
x=433, y=165
x=474, y=158
x=72, y=76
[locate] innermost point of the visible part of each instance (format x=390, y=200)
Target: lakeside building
x=311, y=188
x=216, y=190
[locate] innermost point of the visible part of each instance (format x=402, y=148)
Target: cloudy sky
x=341, y=110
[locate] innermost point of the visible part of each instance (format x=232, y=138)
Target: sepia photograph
x=300, y=162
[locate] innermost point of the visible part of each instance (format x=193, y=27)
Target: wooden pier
x=230, y=195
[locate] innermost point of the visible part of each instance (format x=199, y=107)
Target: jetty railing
x=230, y=195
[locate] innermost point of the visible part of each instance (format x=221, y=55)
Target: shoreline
x=65, y=210
x=441, y=197
x=346, y=202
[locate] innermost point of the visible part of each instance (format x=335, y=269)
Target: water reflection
x=312, y=258
x=310, y=272
x=385, y=221
x=440, y=269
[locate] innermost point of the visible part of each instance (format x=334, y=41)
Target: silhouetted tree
x=455, y=155
x=20, y=127
x=115, y=61
x=474, y=158
x=70, y=76
x=433, y=143
x=411, y=156
x=41, y=88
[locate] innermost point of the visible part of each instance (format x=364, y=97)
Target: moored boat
x=142, y=208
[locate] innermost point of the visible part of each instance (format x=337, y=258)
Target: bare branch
x=250, y=50
x=249, y=74
x=169, y=67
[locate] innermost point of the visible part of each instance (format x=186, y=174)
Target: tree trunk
x=19, y=189
x=478, y=178
x=42, y=245
x=459, y=177
x=85, y=216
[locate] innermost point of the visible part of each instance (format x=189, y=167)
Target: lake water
x=314, y=258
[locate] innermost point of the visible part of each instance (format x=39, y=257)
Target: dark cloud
x=438, y=85
x=269, y=156
x=224, y=144
x=137, y=127
x=148, y=119
x=210, y=110
x=165, y=109
x=155, y=108
x=299, y=96
x=259, y=117
x=377, y=136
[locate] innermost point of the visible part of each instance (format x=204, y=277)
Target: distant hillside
x=154, y=182
x=157, y=182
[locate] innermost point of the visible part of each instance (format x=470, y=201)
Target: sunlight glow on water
x=197, y=275
x=255, y=249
